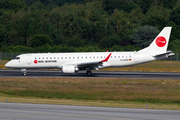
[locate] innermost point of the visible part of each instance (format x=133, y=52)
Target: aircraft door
x=136, y=56
x=28, y=58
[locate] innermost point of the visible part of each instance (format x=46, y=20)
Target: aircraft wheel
x=89, y=73
x=24, y=74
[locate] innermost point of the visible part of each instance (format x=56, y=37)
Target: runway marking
x=60, y=114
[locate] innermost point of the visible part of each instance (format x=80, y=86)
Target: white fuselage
x=57, y=60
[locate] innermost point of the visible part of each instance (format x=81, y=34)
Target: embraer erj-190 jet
x=74, y=62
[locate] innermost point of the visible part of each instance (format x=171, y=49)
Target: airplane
x=74, y=62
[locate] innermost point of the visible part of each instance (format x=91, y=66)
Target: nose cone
x=8, y=64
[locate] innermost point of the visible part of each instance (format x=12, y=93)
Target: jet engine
x=69, y=69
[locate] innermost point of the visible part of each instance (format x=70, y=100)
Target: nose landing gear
x=24, y=72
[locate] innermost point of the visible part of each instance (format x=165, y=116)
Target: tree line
x=85, y=25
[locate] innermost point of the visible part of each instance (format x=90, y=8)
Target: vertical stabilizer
x=160, y=43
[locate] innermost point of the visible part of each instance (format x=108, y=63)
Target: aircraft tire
x=24, y=74
x=89, y=73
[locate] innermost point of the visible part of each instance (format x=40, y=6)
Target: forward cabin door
x=28, y=59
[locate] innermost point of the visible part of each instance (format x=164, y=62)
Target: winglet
x=107, y=58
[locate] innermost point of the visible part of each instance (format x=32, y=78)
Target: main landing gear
x=89, y=73
x=24, y=72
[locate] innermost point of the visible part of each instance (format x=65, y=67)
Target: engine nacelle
x=69, y=69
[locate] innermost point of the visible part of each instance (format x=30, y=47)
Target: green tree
x=144, y=35
x=20, y=48
x=29, y=30
x=57, y=37
x=169, y=3
x=111, y=5
x=39, y=29
x=3, y=35
x=40, y=40
x=9, y=26
x=48, y=29
x=145, y=5
x=157, y=21
x=75, y=42
x=15, y=5
x=174, y=46
x=175, y=16
x=13, y=37
x=109, y=42
x=175, y=22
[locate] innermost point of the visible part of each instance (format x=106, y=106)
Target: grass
x=2, y=63
x=115, y=92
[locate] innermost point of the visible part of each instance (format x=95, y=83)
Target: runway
x=19, y=111
x=97, y=74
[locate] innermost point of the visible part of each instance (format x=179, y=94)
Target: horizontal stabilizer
x=164, y=55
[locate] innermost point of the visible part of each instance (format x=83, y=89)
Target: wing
x=91, y=65
x=95, y=63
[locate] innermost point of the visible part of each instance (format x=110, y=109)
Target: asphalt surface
x=19, y=111
x=97, y=74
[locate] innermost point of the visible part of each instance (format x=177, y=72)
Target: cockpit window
x=16, y=58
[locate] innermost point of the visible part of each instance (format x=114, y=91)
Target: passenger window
x=94, y=57
x=111, y=56
x=50, y=57
x=39, y=58
x=114, y=56
x=69, y=57
x=73, y=57
x=65, y=57
x=82, y=57
x=61, y=57
x=77, y=57
x=54, y=57
x=35, y=58
x=46, y=57
x=42, y=57
x=86, y=57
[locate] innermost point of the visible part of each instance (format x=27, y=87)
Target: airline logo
x=161, y=41
x=35, y=61
x=46, y=61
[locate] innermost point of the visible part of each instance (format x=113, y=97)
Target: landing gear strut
x=89, y=73
x=24, y=72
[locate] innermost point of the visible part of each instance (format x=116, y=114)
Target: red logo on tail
x=161, y=41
